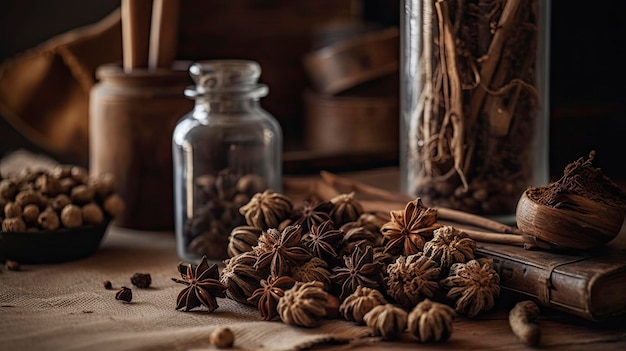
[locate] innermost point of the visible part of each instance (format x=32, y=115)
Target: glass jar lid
x=234, y=78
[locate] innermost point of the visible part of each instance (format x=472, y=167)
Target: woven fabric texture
x=66, y=307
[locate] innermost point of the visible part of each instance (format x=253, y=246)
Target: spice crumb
x=222, y=337
x=124, y=294
x=141, y=280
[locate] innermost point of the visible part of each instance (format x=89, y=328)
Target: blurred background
x=587, y=59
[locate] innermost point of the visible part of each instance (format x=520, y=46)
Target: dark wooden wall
x=587, y=75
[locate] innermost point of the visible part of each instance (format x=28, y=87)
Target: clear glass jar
x=474, y=102
x=226, y=150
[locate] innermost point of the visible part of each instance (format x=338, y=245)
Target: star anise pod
x=281, y=250
x=360, y=270
x=240, y=277
x=316, y=269
x=242, y=239
x=346, y=209
x=386, y=320
x=412, y=278
x=410, y=229
x=225, y=183
x=361, y=301
x=324, y=240
x=373, y=221
x=358, y=236
x=448, y=246
x=311, y=213
x=474, y=286
x=203, y=286
x=266, y=210
x=304, y=305
x=266, y=297
x=383, y=257
x=431, y=321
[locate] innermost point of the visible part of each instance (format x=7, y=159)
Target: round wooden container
x=350, y=62
x=132, y=117
x=351, y=124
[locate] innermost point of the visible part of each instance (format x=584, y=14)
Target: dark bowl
x=52, y=247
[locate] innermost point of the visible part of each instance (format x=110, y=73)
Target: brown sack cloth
x=44, y=93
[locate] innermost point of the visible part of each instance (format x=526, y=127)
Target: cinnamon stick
x=354, y=185
x=135, y=33
x=492, y=58
x=475, y=220
x=525, y=240
x=163, y=33
x=388, y=200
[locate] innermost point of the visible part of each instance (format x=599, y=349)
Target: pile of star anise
x=405, y=259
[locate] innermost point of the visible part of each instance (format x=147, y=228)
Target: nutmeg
x=30, y=213
x=26, y=197
x=48, y=185
x=14, y=224
x=79, y=174
x=222, y=337
x=11, y=209
x=48, y=220
x=113, y=205
x=92, y=213
x=71, y=216
x=8, y=188
x=103, y=185
x=82, y=194
x=61, y=171
x=66, y=185
x=59, y=202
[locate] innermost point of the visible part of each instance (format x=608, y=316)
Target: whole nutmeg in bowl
x=582, y=210
x=55, y=215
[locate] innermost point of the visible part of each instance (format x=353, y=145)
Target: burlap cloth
x=65, y=306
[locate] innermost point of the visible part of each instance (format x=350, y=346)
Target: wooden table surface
x=490, y=331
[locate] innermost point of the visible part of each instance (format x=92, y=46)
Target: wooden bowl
x=348, y=63
x=578, y=223
x=61, y=245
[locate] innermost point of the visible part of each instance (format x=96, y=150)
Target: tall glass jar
x=474, y=102
x=226, y=150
